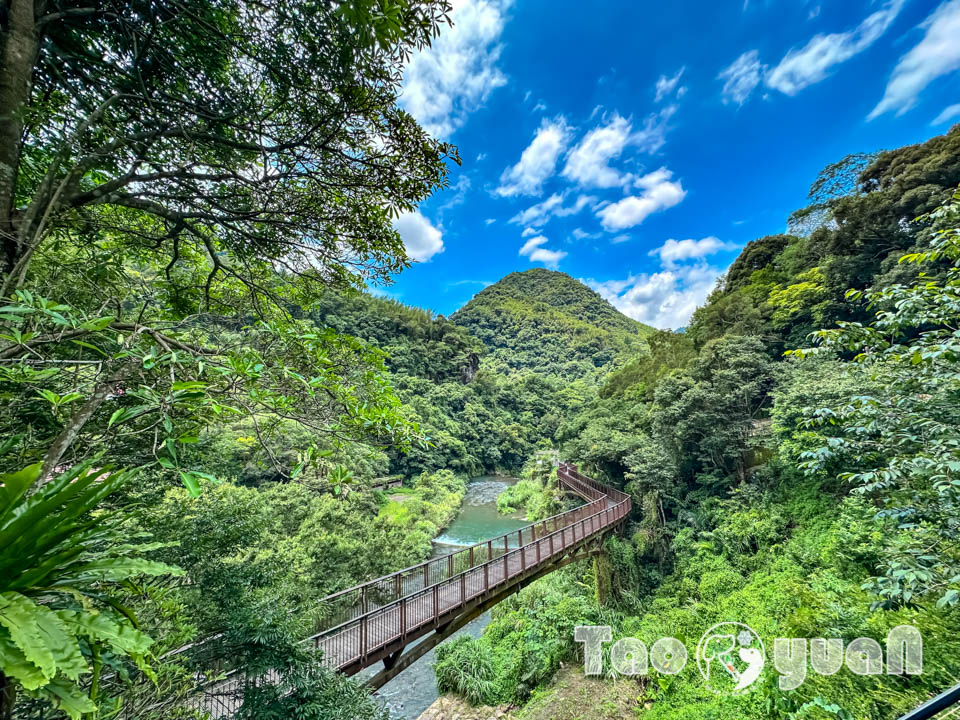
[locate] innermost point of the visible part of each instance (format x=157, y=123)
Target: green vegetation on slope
x=547, y=322
x=812, y=497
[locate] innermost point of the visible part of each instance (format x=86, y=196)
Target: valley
x=684, y=443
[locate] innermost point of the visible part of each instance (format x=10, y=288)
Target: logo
x=730, y=657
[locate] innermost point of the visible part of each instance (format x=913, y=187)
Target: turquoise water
x=478, y=518
x=413, y=690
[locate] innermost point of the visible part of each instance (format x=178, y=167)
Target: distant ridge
x=550, y=323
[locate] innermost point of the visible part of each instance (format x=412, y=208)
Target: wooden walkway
x=373, y=621
x=376, y=620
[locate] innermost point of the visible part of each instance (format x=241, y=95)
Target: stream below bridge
x=413, y=690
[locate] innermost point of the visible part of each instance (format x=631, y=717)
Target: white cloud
x=580, y=234
x=664, y=299
x=538, y=161
x=588, y=164
x=539, y=214
x=741, y=77
x=527, y=232
x=659, y=193
x=803, y=67
x=938, y=53
x=674, y=251
x=581, y=202
x=421, y=239
x=619, y=239
x=489, y=221
x=531, y=248
x=456, y=195
x=445, y=82
x=949, y=112
x=666, y=85
x=550, y=258
x=532, y=243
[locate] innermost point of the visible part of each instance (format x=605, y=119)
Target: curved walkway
x=376, y=620
x=369, y=622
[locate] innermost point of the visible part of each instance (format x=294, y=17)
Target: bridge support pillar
x=602, y=576
x=390, y=660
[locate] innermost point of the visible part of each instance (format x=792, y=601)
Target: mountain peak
x=548, y=322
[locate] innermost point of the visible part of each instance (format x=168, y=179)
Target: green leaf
x=124, y=414
x=116, y=570
x=98, y=324
x=15, y=485
x=89, y=346
x=98, y=627
x=14, y=664
x=41, y=636
x=190, y=482
x=68, y=698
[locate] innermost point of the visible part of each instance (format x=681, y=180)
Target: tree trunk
x=20, y=44
x=8, y=696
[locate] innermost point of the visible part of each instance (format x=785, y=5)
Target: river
x=413, y=690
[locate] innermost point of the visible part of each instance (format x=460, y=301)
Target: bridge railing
x=359, y=600
x=420, y=595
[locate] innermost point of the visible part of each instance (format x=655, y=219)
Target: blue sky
x=638, y=146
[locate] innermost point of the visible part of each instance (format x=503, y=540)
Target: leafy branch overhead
x=184, y=177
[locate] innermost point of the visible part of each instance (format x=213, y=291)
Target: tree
x=177, y=179
x=707, y=414
x=266, y=130
x=900, y=445
x=61, y=567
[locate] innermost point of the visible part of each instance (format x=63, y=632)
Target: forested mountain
x=792, y=459
x=861, y=220
x=547, y=322
x=495, y=380
x=196, y=390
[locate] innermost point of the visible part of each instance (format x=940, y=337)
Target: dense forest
x=200, y=386
x=771, y=481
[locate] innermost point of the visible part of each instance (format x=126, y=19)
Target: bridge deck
x=370, y=621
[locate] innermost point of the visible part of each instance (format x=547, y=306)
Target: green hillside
x=808, y=493
x=548, y=322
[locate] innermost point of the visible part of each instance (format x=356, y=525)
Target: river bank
x=571, y=695
x=414, y=690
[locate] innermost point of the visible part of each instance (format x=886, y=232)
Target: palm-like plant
x=61, y=563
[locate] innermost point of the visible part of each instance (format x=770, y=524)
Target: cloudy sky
x=639, y=146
